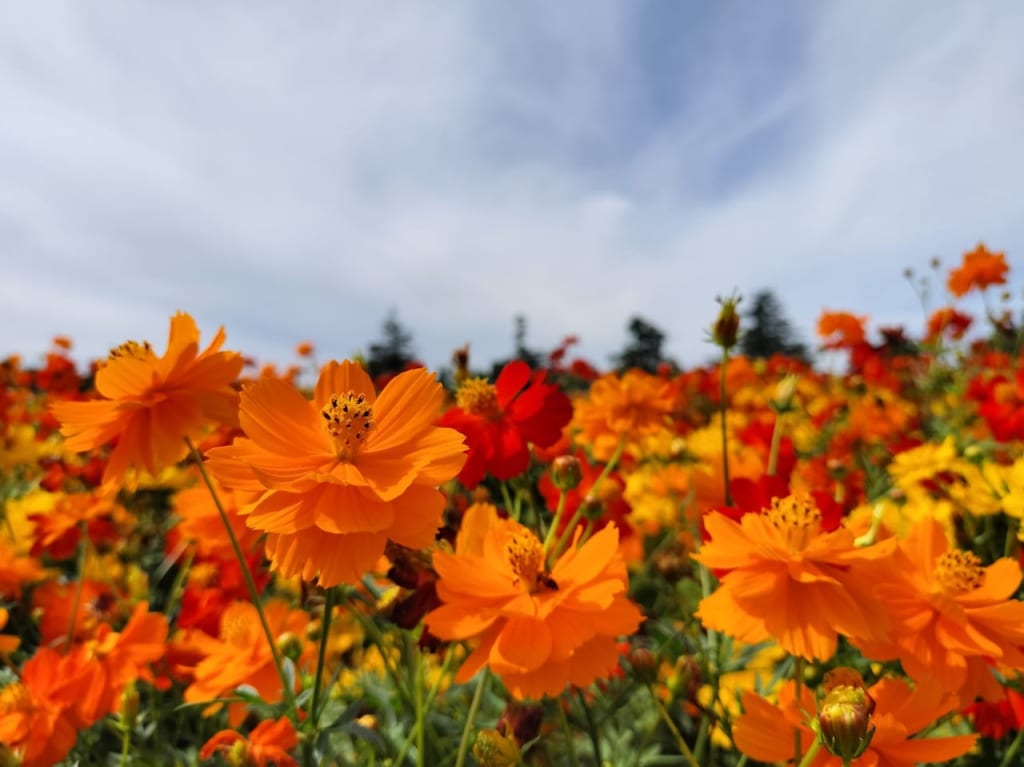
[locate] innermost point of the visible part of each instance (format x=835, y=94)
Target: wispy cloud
x=296, y=172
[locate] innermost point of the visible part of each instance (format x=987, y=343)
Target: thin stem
x=474, y=706
x=421, y=714
x=812, y=752
x=595, y=742
x=684, y=749
x=776, y=445
x=569, y=742
x=126, y=742
x=83, y=550
x=1011, y=753
x=605, y=472
x=254, y=594
x=798, y=680
x=554, y=520
x=723, y=407
x=314, y=707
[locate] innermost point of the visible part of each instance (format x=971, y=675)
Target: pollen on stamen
x=796, y=517
x=526, y=556
x=478, y=397
x=348, y=418
x=959, y=571
x=132, y=350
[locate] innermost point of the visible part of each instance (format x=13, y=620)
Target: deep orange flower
x=16, y=570
x=947, y=322
x=8, y=643
x=951, y=618
x=339, y=476
x=841, y=330
x=150, y=403
x=501, y=420
x=115, y=658
x=637, y=404
x=767, y=732
x=97, y=605
x=979, y=269
x=57, y=530
x=268, y=744
x=538, y=630
x=200, y=523
x=788, y=579
x=38, y=720
x=240, y=654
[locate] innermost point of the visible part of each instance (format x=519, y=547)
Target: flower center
x=237, y=627
x=348, y=418
x=526, y=555
x=478, y=397
x=15, y=697
x=131, y=350
x=796, y=518
x=959, y=571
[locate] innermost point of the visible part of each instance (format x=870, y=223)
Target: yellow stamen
x=797, y=518
x=132, y=350
x=959, y=571
x=526, y=555
x=478, y=397
x=15, y=697
x=348, y=418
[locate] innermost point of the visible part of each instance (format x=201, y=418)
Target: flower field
x=207, y=563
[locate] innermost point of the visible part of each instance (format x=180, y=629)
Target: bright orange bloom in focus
x=841, y=330
x=268, y=744
x=951, y=618
x=789, y=580
x=537, y=630
x=150, y=404
x=766, y=732
x=980, y=268
x=637, y=403
x=339, y=476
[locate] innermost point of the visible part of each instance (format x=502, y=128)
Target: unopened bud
x=129, y=708
x=566, y=472
x=521, y=720
x=725, y=332
x=290, y=645
x=644, y=664
x=785, y=390
x=592, y=507
x=844, y=721
x=492, y=749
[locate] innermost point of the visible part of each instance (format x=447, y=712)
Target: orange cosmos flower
x=766, y=732
x=150, y=403
x=38, y=720
x=241, y=655
x=980, y=268
x=268, y=744
x=841, y=330
x=339, y=476
x=16, y=570
x=951, y=618
x=637, y=403
x=537, y=629
x=788, y=579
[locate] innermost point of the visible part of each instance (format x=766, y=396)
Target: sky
x=298, y=171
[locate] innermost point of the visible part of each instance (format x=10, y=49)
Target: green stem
x=605, y=472
x=421, y=715
x=569, y=741
x=474, y=706
x=554, y=520
x=798, y=680
x=1011, y=753
x=723, y=407
x=812, y=752
x=325, y=635
x=178, y=587
x=511, y=507
x=1011, y=544
x=254, y=594
x=776, y=445
x=595, y=742
x=83, y=550
x=684, y=749
x=126, y=742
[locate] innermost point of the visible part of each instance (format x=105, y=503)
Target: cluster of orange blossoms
x=178, y=528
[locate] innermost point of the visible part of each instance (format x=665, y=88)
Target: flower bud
x=844, y=721
x=290, y=645
x=725, y=332
x=644, y=664
x=566, y=472
x=521, y=720
x=785, y=390
x=492, y=749
x=129, y=708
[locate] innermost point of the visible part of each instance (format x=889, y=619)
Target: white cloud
x=297, y=172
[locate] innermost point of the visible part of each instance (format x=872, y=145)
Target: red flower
x=500, y=420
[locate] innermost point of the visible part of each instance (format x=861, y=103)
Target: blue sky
x=296, y=171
